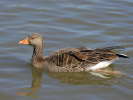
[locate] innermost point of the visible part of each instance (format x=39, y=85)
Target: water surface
x=64, y=23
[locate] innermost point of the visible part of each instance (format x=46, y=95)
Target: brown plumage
x=69, y=59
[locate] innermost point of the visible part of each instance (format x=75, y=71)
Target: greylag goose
x=81, y=59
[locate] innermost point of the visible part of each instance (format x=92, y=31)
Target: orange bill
x=25, y=41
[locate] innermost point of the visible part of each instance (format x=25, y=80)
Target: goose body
x=81, y=59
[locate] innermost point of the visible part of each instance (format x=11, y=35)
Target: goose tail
x=122, y=55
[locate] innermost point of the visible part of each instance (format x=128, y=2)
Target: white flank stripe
x=100, y=65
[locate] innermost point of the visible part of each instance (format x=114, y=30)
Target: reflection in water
x=36, y=83
x=81, y=78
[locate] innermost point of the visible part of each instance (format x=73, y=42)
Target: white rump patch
x=123, y=54
x=100, y=65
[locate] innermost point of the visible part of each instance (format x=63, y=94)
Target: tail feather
x=122, y=55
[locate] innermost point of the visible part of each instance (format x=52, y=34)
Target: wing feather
x=73, y=57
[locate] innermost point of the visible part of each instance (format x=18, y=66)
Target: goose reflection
x=36, y=83
x=81, y=78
